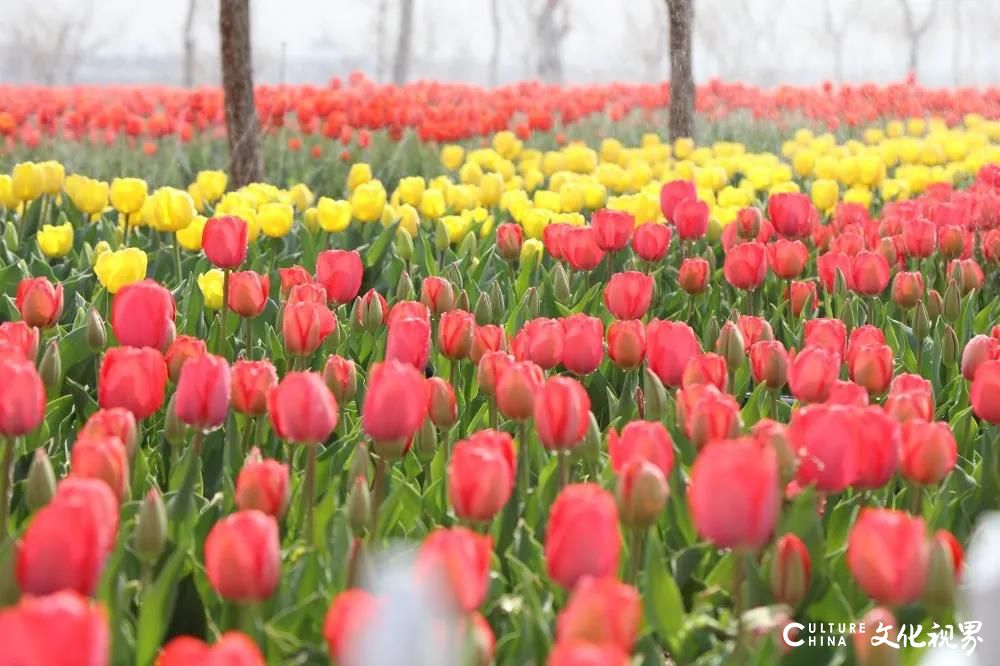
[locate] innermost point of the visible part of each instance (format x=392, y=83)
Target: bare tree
x=682, y=90
x=50, y=47
x=497, y=35
x=649, y=38
x=552, y=24
x=381, y=22
x=835, y=32
x=746, y=46
x=242, y=126
x=188, y=74
x=956, y=44
x=914, y=31
x=401, y=62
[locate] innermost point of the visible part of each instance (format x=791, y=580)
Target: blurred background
x=492, y=42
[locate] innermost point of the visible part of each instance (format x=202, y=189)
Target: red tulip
x=790, y=570
x=928, y=451
x=302, y=409
x=831, y=334
x=826, y=439
x=910, y=396
x=706, y=368
x=516, y=389
x=481, y=475
x=769, y=363
x=748, y=222
x=22, y=398
x=754, y=329
x=441, y=406
x=341, y=378
x=871, y=367
x=869, y=273
x=581, y=250
x=232, y=648
x=827, y=266
x=603, y=611
x=540, y=341
x=863, y=336
x=291, y=277
x=304, y=326
x=787, y=257
x=968, y=274
x=202, y=397
x=181, y=350
x=907, y=289
x=437, y=294
x=103, y=458
x=489, y=370
x=847, y=393
x=733, y=493
x=39, y=302
x=587, y=654
x=690, y=216
x=888, y=552
x=243, y=556
x=582, y=537
x=669, y=345
x=250, y=382
x=248, y=293
x=628, y=295
x=409, y=341
x=812, y=372
x=919, y=238
x=488, y=338
x=395, y=402
x=583, y=343
x=63, y=628
x=954, y=548
x=802, y=297
x=978, y=350
x=673, y=193
x=142, y=315
x=134, y=379
x=510, y=237
x=115, y=422
x=951, y=241
x=554, y=239
x=650, y=241
x=19, y=336
x=613, y=229
x=406, y=310
x=224, y=241
x=746, y=266
x=983, y=394
x=263, y=485
x=349, y=618
x=643, y=440
x=340, y=273
x=455, y=334
x=308, y=292
x=790, y=213
x=627, y=343
x=878, y=441
x=709, y=415
x=458, y=559
x=692, y=276
x=561, y=412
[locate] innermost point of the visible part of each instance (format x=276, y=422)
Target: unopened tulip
x=650, y=241
x=746, y=265
x=967, y=273
x=613, y=229
x=115, y=422
x=481, y=475
x=869, y=273
x=142, y=315
x=540, y=340
x=602, y=611
x=919, y=238
x=581, y=250
x=753, y=329
x=871, y=366
x=181, y=350
x=409, y=341
x=787, y=258
x=224, y=241
x=40, y=630
x=96, y=333
x=669, y=345
x=40, y=485
x=302, y=409
x=878, y=442
x=802, y=297
x=441, y=406
x=626, y=343
x=291, y=277
x=706, y=368
x=692, y=276
x=263, y=484
x=812, y=372
x=830, y=334
x=203, y=392
x=628, y=295
x=486, y=338
x=490, y=369
x=232, y=647
x=340, y=273
x=641, y=492
x=304, y=326
x=731, y=345
x=790, y=569
x=248, y=292
x=243, y=556
x=978, y=350
x=769, y=363
x=865, y=649
x=39, y=302
x=341, y=378
x=250, y=382
x=928, y=451
x=150, y=536
x=22, y=399
x=674, y=192
x=455, y=334
x=349, y=618
x=458, y=559
x=437, y=294
x=826, y=439
x=984, y=393
x=582, y=536
x=888, y=553
x=710, y=416
x=690, y=216
x=790, y=213
x=395, y=403
x=510, y=238
x=103, y=458
x=646, y=440
x=132, y=378
x=561, y=408
x=583, y=343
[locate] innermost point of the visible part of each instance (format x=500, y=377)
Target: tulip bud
x=371, y=313
x=790, y=569
x=468, y=246
x=949, y=346
x=729, y=345
x=50, y=368
x=839, y=282
x=41, y=484
x=454, y=275
x=711, y=333
x=404, y=245
x=532, y=303
x=404, y=288
x=654, y=396
x=9, y=589
x=150, y=536
x=560, y=285
x=441, y=239
x=939, y=588
x=848, y=317
x=10, y=237
x=498, y=302
x=462, y=302
x=425, y=441
x=483, y=311
x=590, y=448
x=97, y=336
x=709, y=256
x=641, y=493
x=359, y=463
x=935, y=304
x=921, y=325
x=359, y=506
x=952, y=302
x=174, y=430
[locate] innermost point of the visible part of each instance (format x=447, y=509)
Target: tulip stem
x=494, y=416
x=774, y=405
x=9, y=443
x=636, y=543
x=308, y=491
x=224, y=309
x=871, y=311
x=739, y=576
x=378, y=492
x=247, y=333
x=522, y=457
x=563, y=467
x=177, y=262
x=916, y=500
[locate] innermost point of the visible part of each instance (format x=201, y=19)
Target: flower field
x=495, y=376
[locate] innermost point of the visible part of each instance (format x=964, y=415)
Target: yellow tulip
x=547, y=199
x=367, y=201
x=55, y=241
x=211, y=284
x=571, y=196
x=594, y=195
x=787, y=186
x=490, y=189
x=572, y=219
x=916, y=126
x=486, y=228
x=611, y=149
x=173, y=209
x=506, y=144
x=7, y=197
x=803, y=162
x=683, y=147
x=411, y=189
x=534, y=221
x=99, y=249
x=734, y=196
x=432, y=205
x=301, y=196
x=457, y=226
x=275, y=219
x=461, y=197
x=88, y=195
x=53, y=175
x=114, y=270
x=859, y=195
x=190, y=236
x=26, y=180
x=824, y=193
x=580, y=158
x=310, y=218
x=212, y=184
x=359, y=174
x=871, y=171
x=409, y=219
x=249, y=215
x=531, y=251
x=333, y=215
x=533, y=179
x=197, y=197
x=803, y=136
x=470, y=173
x=452, y=156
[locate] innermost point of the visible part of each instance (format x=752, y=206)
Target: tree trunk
x=495, y=54
x=380, y=16
x=956, y=44
x=243, y=129
x=549, y=35
x=682, y=90
x=401, y=64
x=188, y=74
x=912, y=62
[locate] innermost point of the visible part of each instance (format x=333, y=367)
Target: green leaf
x=664, y=604
x=157, y=607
